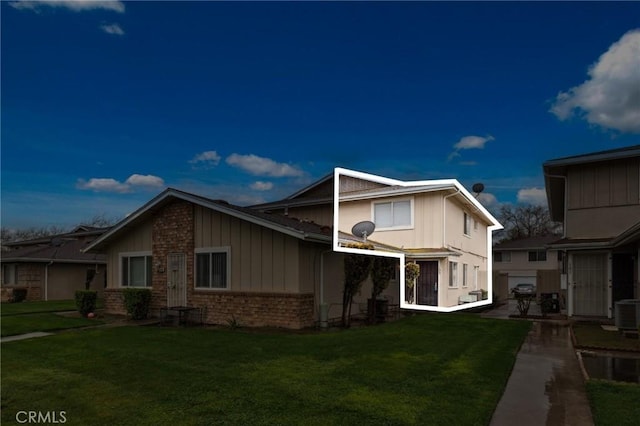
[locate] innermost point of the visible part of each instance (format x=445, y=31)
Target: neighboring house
x=274, y=265
x=53, y=267
x=528, y=261
x=597, y=198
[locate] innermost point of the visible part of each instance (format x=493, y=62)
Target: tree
x=381, y=273
x=356, y=269
x=8, y=235
x=524, y=221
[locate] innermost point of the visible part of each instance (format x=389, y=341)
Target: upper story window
x=213, y=268
x=467, y=224
x=393, y=214
x=502, y=256
x=135, y=269
x=538, y=256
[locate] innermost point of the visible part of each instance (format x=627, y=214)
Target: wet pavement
x=546, y=386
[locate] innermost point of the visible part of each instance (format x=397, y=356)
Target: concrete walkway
x=24, y=336
x=546, y=386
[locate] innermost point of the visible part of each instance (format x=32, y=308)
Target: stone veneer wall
x=255, y=309
x=173, y=232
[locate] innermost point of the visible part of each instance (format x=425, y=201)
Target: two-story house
x=597, y=198
x=528, y=261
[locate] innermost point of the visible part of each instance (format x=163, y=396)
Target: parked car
x=524, y=289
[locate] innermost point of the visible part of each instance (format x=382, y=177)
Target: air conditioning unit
x=628, y=314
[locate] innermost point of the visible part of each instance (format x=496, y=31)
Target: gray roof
x=60, y=248
x=297, y=228
x=532, y=243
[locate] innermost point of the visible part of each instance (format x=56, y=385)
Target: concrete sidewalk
x=546, y=386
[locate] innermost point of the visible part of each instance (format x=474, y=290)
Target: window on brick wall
x=9, y=275
x=135, y=269
x=213, y=268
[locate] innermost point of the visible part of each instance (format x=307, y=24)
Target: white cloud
x=261, y=186
x=145, y=180
x=103, y=185
x=611, y=96
x=114, y=29
x=535, y=196
x=469, y=142
x=73, y=5
x=207, y=159
x=111, y=185
x=487, y=199
x=261, y=166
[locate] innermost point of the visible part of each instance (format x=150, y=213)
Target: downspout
x=46, y=280
x=324, y=308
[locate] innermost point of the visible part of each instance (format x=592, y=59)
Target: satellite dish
x=478, y=188
x=363, y=229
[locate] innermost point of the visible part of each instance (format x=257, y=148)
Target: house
x=530, y=261
x=597, y=198
x=275, y=264
x=53, y=267
x=436, y=224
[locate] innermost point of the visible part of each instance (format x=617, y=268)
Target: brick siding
x=255, y=309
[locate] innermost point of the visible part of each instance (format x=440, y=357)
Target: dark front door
x=622, y=276
x=427, y=284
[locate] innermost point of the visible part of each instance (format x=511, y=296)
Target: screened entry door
x=176, y=280
x=428, y=283
x=590, y=284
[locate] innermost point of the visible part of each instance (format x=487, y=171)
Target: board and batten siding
x=137, y=239
x=607, y=194
x=262, y=260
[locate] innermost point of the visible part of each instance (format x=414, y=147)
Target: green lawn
x=27, y=317
x=614, y=403
x=594, y=336
x=21, y=324
x=424, y=369
x=22, y=308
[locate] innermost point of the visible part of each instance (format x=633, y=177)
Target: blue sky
x=105, y=104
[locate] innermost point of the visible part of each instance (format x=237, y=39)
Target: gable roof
x=530, y=243
x=60, y=248
x=319, y=192
x=299, y=229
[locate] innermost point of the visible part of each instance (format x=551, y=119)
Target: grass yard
x=27, y=317
x=426, y=369
x=614, y=403
x=594, y=336
x=22, y=308
x=21, y=324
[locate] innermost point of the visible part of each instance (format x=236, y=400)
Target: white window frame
x=12, y=270
x=131, y=254
x=466, y=226
x=212, y=250
x=453, y=274
x=392, y=201
x=465, y=275
x=502, y=256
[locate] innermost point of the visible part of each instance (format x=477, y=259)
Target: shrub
x=86, y=301
x=137, y=301
x=19, y=295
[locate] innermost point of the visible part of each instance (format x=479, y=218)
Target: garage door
x=513, y=281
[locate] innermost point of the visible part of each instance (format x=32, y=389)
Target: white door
x=589, y=284
x=176, y=280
